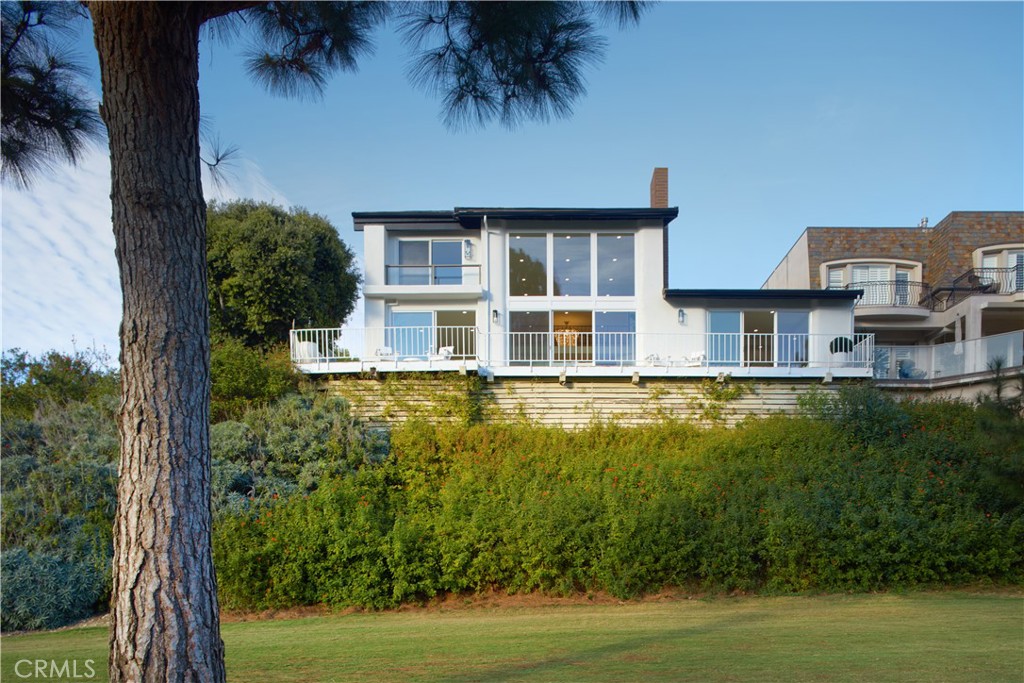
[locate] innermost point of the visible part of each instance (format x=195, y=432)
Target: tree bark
x=165, y=619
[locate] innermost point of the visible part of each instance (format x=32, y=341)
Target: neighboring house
x=943, y=302
x=566, y=293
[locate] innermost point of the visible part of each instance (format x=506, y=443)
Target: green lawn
x=915, y=637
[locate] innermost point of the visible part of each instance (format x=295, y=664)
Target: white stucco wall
x=793, y=272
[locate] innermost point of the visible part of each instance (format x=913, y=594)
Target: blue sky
x=770, y=116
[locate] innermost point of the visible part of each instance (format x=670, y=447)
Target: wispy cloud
x=60, y=281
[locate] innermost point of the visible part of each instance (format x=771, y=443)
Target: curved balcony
x=892, y=299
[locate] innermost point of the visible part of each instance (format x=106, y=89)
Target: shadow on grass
x=617, y=653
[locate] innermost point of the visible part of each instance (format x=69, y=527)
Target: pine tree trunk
x=165, y=621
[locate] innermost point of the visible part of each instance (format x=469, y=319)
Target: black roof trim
x=764, y=294
x=471, y=218
x=666, y=215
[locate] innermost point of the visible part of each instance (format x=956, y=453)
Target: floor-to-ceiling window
x=410, y=334
x=614, y=337
x=724, y=328
x=793, y=328
x=529, y=337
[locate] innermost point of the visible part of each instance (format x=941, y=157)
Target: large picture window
x=615, y=269
x=581, y=264
x=572, y=265
x=527, y=265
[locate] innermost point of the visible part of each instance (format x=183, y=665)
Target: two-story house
x=563, y=293
x=944, y=303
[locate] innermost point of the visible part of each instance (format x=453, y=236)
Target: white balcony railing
x=431, y=275
x=947, y=360
x=569, y=348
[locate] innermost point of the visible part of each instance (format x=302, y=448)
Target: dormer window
x=1002, y=268
x=884, y=283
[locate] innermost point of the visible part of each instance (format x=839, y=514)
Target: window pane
x=615, y=265
x=572, y=265
x=410, y=334
x=723, y=338
x=412, y=253
x=527, y=265
x=792, y=342
x=445, y=254
x=835, y=278
x=529, y=337
x=615, y=337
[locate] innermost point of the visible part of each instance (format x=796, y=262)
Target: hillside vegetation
x=861, y=493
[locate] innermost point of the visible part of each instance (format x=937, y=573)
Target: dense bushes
x=864, y=494
x=242, y=377
x=58, y=470
x=860, y=493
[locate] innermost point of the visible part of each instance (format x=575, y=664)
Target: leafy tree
x=45, y=114
x=27, y=382
x=506, y=60
x=269, y=267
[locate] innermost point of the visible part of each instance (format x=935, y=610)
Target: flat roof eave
x=765, y=294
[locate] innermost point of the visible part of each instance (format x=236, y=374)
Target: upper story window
x=427, y=262
x=571, y=264
x=527, y=265
x=1002, y=267
x=884, y=284
x=615, y=271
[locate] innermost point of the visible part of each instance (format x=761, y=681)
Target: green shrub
x=780, y=504
x=44, y=590
x=243, y=377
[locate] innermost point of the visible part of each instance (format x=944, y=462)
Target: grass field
x=914, y=637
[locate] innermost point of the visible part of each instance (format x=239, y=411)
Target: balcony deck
x=580, y=354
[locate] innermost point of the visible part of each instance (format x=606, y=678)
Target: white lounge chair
x=443, y=353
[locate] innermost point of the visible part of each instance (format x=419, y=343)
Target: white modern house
x=571, y=293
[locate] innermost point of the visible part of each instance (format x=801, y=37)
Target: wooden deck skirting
x=577, y=403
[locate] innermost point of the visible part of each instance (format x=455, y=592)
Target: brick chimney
x=659, y=188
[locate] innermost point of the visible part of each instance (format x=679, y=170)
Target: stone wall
x=956, y=236
x=944, y=250
x=830, y=244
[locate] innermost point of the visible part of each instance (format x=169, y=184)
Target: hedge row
x=866, y=495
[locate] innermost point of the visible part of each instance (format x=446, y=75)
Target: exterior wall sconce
x=561, y=377
x=827, y=379
x=495, y=316
x=467, y=249
x=636, y=379
x=682, y=316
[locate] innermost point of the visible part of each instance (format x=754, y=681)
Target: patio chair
x=695, y=359
x=443, y=353
x=385, y=353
